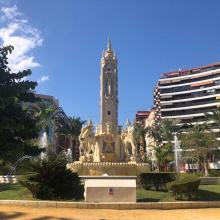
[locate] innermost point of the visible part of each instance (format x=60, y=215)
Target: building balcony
x=204, y=96
x=187, y=113
x=188, y=96
x=188, y=104
x=190, y=74
x=192, y=86
x=191, y=81
x=179, y=83
x=204, y=88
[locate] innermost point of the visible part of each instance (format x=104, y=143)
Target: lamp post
x=176, y=152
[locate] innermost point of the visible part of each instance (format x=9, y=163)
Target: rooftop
x=190, y=71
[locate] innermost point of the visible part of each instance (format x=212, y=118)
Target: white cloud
x=19, y=33
x=12, y=12
x=43, y=79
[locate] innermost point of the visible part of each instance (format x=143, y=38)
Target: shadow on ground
x=50, y=218
x=148, y=200
x=205, y=195
x=11, y=215
x=15, y=215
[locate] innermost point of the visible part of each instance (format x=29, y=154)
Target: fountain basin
x=110, y=168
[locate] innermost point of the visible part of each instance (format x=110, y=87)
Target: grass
x=153, y=196
x=14, y=191
x=205, y=193
x=209, y=193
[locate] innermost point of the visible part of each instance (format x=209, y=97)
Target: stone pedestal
x=109, y=188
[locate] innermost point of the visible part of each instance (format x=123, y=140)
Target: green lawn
x=153, y=196
x=14, y=191
x=206, y=193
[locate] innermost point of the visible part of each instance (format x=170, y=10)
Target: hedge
x=185, y=184
x=156, y=180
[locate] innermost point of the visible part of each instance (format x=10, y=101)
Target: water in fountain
x=69, y=155
x=18, y=162
x=43, y=143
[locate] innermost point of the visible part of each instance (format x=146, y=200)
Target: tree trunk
x=206, y=167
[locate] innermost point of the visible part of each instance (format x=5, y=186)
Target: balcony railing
x=187, y=112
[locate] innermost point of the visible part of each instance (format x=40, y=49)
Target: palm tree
x=213, y=117
x=163, y=134
x=164, y=156
x=46, y=117
x=71, y=127
x=139, y=134
x=48, y=178
x=216, y=115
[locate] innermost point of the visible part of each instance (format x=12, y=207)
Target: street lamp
x=176, y=152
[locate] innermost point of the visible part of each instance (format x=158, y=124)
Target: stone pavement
x=47, y=213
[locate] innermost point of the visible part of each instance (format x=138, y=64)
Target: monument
x=107, y=148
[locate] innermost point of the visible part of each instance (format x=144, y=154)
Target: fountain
x=107, y=148
x=18, y=162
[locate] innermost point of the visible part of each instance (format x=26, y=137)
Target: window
x=109, y=112
x=217, y=82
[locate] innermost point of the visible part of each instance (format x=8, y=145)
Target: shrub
x=214, y=173
x=50, y=179
x=156, y=180
x=4, y=167
x=185, y=184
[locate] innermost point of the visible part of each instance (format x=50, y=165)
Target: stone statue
x=129, y=142
x=87, y=142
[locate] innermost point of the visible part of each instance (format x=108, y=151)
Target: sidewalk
x=47, y=213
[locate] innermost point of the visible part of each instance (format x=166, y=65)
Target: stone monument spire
x=109, y=45
x=109, y=90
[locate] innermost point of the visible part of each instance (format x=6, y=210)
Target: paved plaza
x=18, y=212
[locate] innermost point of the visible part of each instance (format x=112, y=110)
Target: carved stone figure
x=87, y=142
x=129, y=143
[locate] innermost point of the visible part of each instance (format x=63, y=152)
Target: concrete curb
x=124, y=206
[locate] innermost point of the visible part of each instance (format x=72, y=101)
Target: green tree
x=71, y=127
x=198, y=143
x=139, y=134
x=163, y=134
x=46, y=123
x=214, y=117
x=18, y=127
x=48, y=178
x=164, y=155
x=46, y=117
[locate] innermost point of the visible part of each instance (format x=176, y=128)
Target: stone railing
x=77, y=163
x=8, y=179
x=210, y=180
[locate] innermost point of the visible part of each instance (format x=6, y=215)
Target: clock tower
x=109, y=91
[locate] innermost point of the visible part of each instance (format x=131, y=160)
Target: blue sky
x=62, y=41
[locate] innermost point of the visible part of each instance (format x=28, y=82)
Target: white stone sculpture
x=129, y=143
x=87, y=142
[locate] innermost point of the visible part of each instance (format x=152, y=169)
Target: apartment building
x=188, y=95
